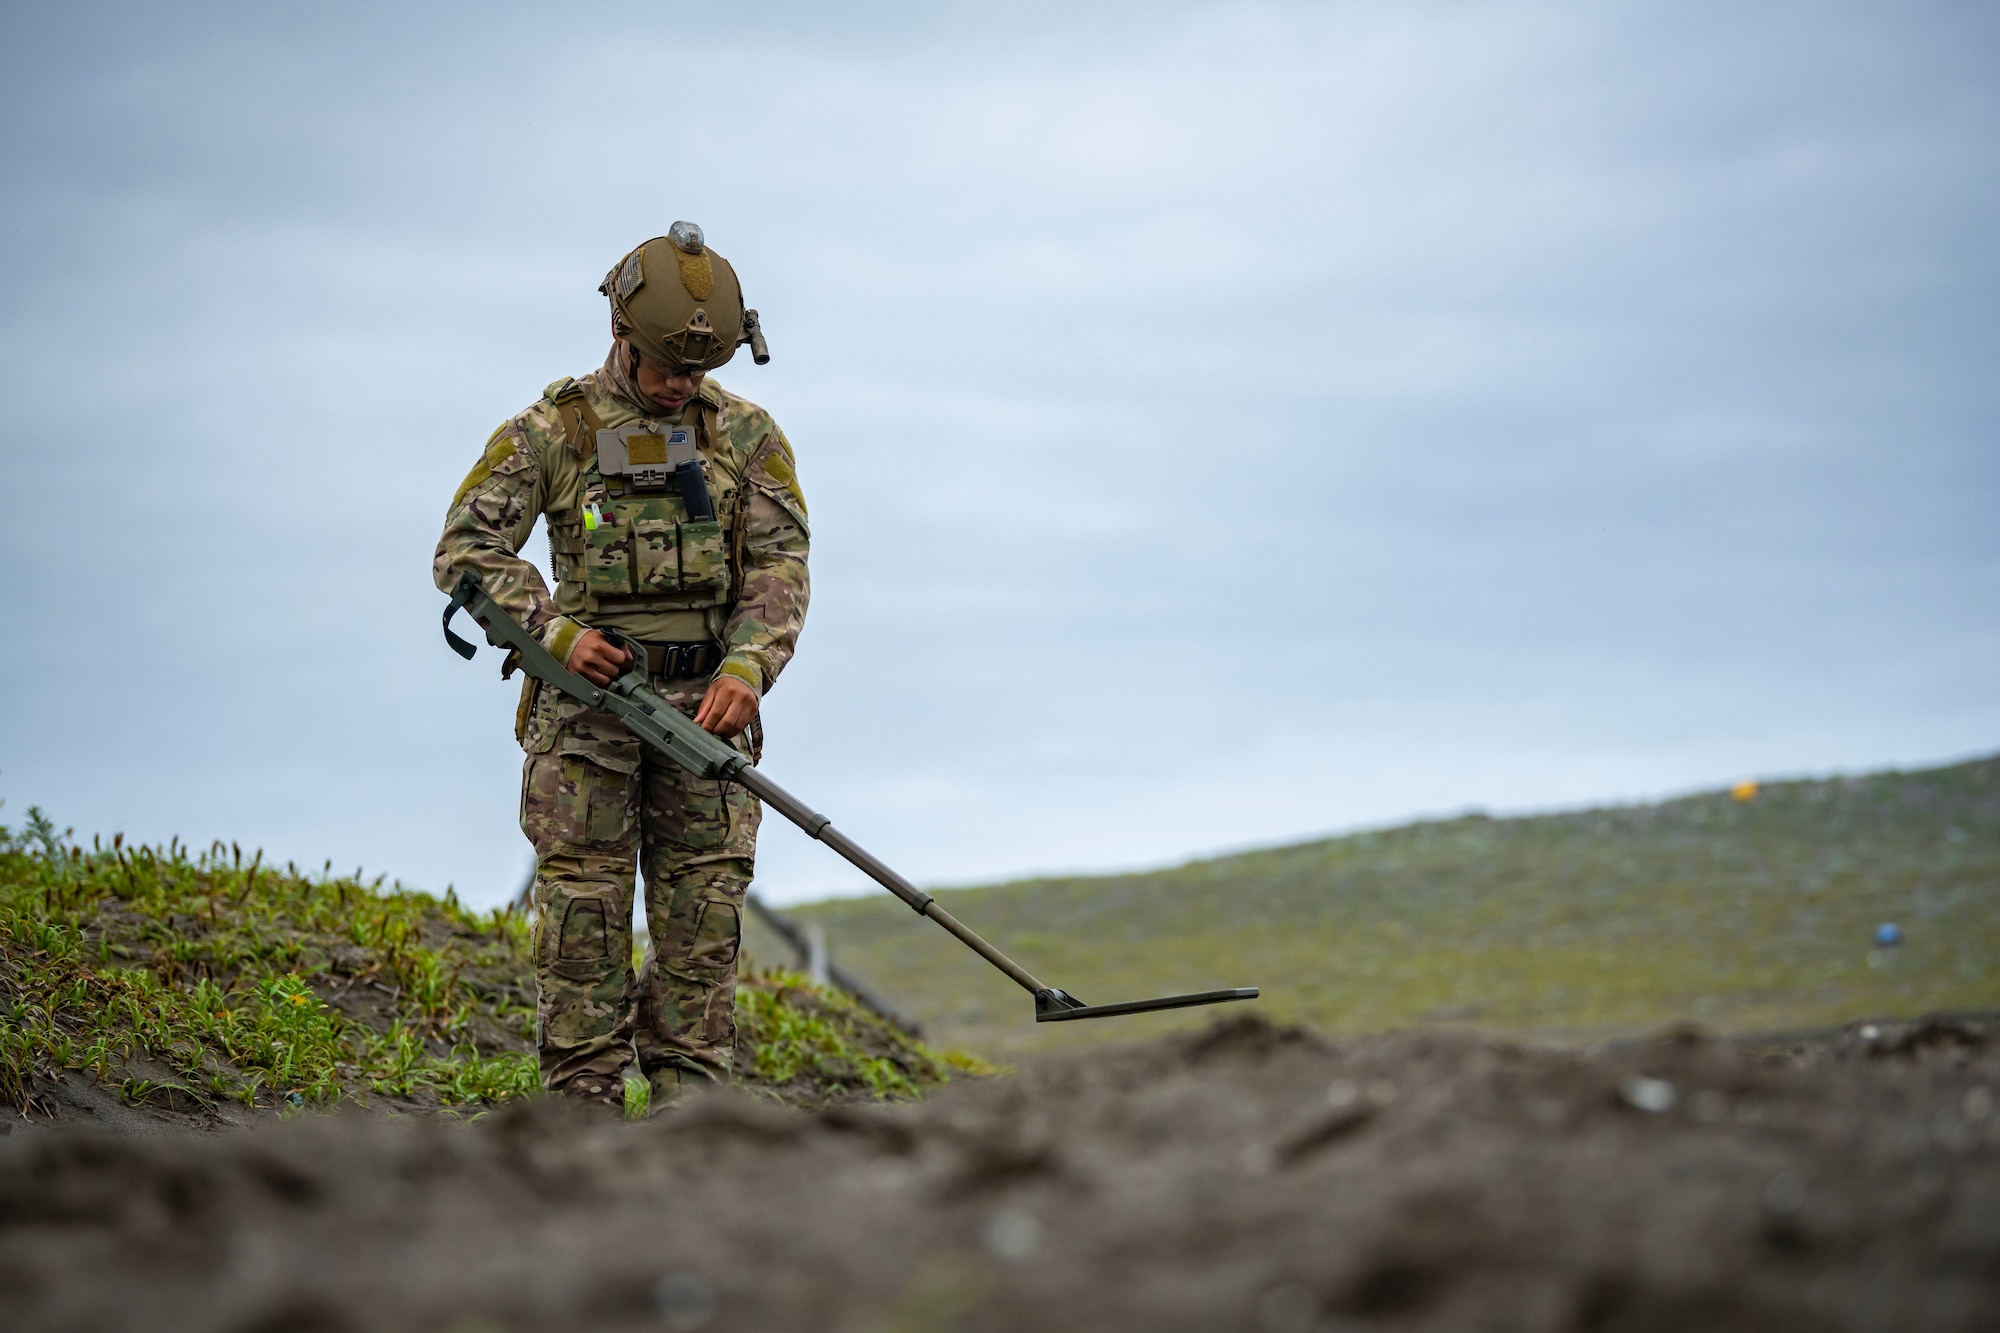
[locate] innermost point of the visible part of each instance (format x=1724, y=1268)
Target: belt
x=681, y=661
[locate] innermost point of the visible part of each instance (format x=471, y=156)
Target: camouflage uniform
x=594, y=802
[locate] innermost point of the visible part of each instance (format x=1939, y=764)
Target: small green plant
x=638, y=1097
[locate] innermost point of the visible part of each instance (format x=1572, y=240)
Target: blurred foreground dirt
x=1242, y=1177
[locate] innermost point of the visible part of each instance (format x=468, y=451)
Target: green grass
x=1742, y=915
x=800, y=1039
x=181, y=977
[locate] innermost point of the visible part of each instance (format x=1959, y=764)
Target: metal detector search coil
x=659, y=724
x=1059, y=1007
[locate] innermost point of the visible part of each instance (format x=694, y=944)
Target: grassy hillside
x=1743, y=915
x=212, y=983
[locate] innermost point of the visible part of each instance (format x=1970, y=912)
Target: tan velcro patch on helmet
x=697, y=274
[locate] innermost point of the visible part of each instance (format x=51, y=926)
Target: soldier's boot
x=669, y=1081
x=599, y=1091
x=663, y=1086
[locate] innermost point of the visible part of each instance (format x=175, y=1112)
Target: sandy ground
x=1242, y=1177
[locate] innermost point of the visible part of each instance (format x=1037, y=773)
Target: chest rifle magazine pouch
x=607, y=551
x=667, y=541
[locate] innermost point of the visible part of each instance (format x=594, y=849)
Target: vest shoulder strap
x=580, y=423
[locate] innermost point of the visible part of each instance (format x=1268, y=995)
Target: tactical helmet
x=680, y=304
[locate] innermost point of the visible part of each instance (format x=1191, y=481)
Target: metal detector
x=659, y=724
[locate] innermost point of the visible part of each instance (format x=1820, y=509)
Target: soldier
x=675, y=518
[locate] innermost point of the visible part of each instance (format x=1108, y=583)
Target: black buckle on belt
x=679, y=661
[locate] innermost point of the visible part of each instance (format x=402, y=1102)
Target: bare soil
x=1244, y=1176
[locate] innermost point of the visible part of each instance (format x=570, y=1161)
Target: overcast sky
x=1222, y=424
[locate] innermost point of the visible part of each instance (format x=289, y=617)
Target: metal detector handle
x=648, y=716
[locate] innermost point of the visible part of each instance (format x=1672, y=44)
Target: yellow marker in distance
x=1745, y=790
x=590, y=519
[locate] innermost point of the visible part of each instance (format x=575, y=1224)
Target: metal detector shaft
x=818, y=827
x=659, y=724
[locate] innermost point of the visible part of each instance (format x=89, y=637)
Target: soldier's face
x=669, y=389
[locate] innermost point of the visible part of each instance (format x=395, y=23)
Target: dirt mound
x=1243, y=1177
x=155, y=987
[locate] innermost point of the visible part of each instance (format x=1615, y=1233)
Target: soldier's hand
x=727, y=707
x=597, y=660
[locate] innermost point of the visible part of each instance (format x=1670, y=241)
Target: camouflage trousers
x=597, y=806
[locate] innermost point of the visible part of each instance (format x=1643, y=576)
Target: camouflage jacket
x=532, y=468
